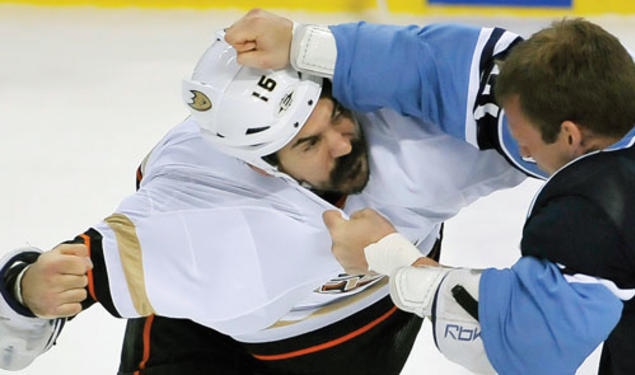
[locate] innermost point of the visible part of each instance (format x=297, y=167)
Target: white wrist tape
x=313, y=50
x=391, y=253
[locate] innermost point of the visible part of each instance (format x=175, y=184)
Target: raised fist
x=262, y=39
x=55, y=285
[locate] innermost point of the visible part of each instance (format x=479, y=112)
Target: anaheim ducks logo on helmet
x=200, y=101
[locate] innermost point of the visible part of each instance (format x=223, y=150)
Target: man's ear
x=573, y=137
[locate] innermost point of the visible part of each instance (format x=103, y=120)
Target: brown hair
x=573, y=70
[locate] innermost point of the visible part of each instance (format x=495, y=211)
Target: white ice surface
x=86, y=92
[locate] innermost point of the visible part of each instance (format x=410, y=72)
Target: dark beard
x=351, y=172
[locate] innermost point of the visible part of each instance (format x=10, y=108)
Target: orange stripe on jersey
x=341, y=202
x=147, y=327
x=328, y=344
x=139, y=177
x=89, y=274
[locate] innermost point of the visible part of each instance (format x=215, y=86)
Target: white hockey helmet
x=248, y=113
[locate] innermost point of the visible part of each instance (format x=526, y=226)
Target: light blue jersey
x=439, y=74
x=534, y=320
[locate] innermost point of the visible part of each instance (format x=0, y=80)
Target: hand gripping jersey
x=537, y=317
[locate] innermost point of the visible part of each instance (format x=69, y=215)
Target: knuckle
x=52, y=280
x=53, y=266
x=83, y=265
x=68, y=310
x=82, y=250
x=77, y=308
x=254, y=12
x=229, y=36
x=258, y=20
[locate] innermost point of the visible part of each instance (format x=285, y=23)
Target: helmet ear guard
x=244, y=112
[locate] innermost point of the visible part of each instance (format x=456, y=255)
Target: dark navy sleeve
x=576, y=234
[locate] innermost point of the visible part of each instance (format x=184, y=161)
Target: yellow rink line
x=580, y=7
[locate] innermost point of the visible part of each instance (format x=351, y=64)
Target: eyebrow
x=336, y=107
x=305, y=140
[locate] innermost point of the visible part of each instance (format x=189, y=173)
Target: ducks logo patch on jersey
x=200, y=102
x=345, y=283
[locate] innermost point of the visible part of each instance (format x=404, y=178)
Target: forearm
x=523, y=320
x=441, y=74
x=534, y=321
x=409, y=69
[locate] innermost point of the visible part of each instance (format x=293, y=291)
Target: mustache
x=344, y=165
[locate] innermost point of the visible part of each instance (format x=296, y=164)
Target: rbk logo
x=461, y=333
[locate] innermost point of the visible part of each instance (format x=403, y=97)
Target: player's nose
x=339, y=143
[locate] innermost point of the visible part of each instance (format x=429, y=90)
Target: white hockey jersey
x=209, y=239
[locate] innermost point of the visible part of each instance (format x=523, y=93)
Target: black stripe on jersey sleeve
x=100, y=274
x=10, y=273
x=487, y=126
x=487, y=129
x=488, y=52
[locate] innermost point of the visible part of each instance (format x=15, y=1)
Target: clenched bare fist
x=262, y=39
x=55, y=285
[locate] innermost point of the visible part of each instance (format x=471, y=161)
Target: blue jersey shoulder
x=440, y=74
